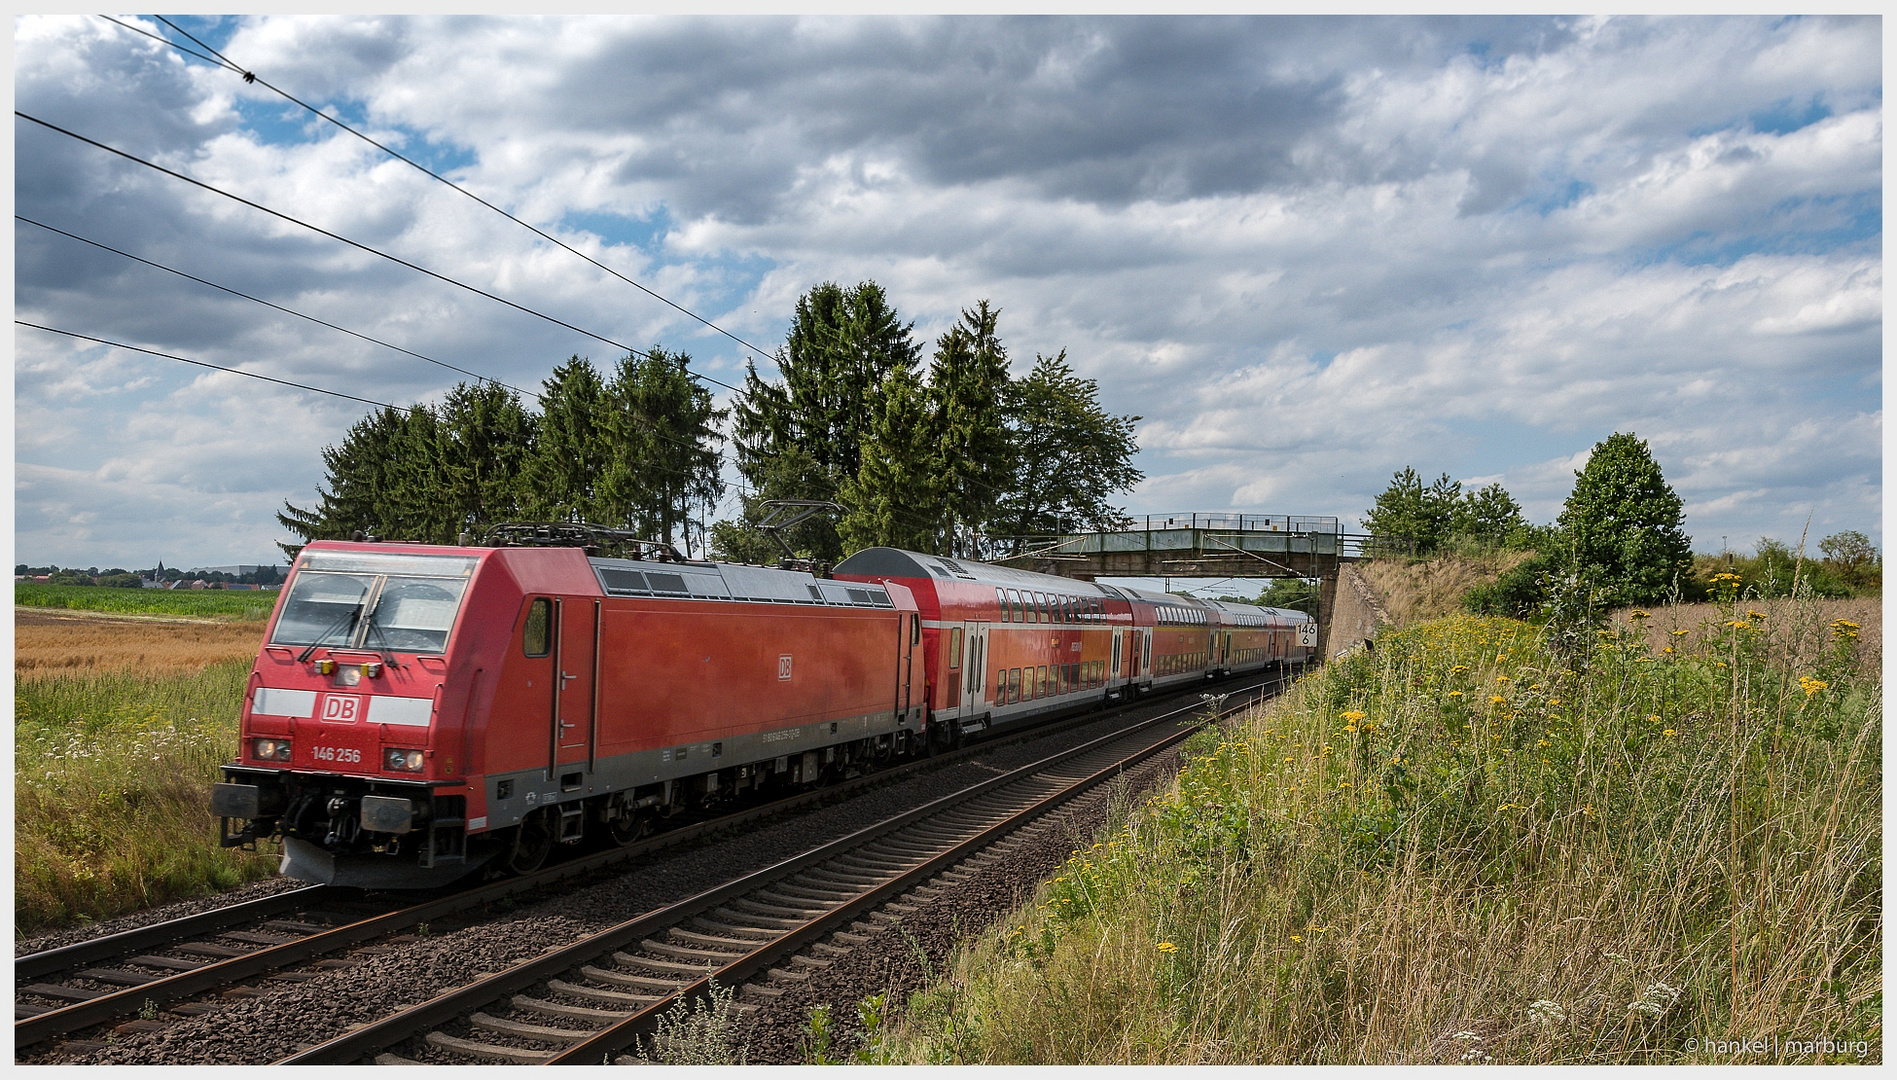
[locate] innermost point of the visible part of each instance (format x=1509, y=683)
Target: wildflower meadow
x=1467, y=847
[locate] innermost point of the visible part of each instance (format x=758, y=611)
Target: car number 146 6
x=336, y=753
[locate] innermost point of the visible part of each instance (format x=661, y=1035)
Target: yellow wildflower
x=1811, y=686
x=1669, y=733
x=1353, y=717
x=1166, y=947
x=1496, y=699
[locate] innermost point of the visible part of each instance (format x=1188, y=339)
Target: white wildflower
x=1546, y=1012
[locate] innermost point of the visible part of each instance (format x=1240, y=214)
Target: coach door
x=973, y=657
x=575, y=682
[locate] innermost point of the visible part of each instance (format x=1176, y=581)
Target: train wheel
x=533, y=839
x=624, y=824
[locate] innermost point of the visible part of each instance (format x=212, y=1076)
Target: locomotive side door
x=974, y=658
x=575, y=678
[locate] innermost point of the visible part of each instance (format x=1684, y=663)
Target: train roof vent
x=859, y=596
x=622, y=582
x=668, y=583
x=816, y=594
x=957, y=569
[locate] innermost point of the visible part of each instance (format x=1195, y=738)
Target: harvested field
x=50, y=641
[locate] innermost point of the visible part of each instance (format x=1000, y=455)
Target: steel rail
x=33, y=1030
x=158, y=935
x=389, y=1031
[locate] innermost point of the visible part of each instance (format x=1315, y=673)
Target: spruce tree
x=484, y=439
x=1622, y=527
x=974, y=454
x=662, y=431
x=570, y=450
x=895, y=498
x=842, y=347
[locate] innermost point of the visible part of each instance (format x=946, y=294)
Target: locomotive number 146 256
x=337, y=753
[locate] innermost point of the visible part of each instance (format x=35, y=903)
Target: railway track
x=145, y=978
x=598, y=997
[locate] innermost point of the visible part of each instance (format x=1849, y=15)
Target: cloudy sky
x=1309, y=252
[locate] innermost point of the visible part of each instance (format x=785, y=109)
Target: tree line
x=1619, y=541
x=942, y=456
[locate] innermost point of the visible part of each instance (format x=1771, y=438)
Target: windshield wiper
x=375, y=628
x=348, y=619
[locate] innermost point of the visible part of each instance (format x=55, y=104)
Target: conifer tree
x=895, y=498
x=842, y=347
x=662, y=430
x=975, y=455
x=561, y=475
x=484, y=438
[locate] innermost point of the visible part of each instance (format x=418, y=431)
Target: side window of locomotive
x=538, y=640
x=915, y=629
x=955, y=649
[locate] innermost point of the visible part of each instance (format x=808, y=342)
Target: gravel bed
x=294, y=1015
x=54, y=939
x=914, y=953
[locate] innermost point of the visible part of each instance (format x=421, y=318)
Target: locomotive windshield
x=366, y=600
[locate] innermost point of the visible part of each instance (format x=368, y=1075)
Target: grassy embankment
x=1461, y=849
x=119, y=727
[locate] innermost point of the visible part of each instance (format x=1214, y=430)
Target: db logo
x=341, y=709
x=783, y=667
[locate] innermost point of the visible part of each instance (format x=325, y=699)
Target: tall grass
x=1464, y=848
x=112, y=776
x=242, y=604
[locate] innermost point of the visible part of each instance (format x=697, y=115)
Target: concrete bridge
x=1212, y=545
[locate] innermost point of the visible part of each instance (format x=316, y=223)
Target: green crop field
x=241, y=604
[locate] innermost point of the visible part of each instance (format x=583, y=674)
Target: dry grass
x=1419, y=590
x=1797, y=634
x=50, y=642
x=119, y=727
x=1464, y=848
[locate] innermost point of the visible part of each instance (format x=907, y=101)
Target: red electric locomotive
x=417, y=711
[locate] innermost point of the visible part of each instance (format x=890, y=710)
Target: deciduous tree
x=1623, y=526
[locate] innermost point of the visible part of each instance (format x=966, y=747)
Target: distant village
x=240, y=576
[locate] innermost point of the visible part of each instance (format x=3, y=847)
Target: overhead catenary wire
x=276, y=307
x=252, y=78
x=205, y=364
x=650, y=430
x=358, y=245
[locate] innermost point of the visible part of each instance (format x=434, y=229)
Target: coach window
x=1001, y=598
x=955, y=649
x=1014, y=685
x=915, y=629
x=538, y=638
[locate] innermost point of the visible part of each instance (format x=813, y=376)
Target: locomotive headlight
x=372, y=669
x=271, y=749
x=324, y=667
x=397, y=759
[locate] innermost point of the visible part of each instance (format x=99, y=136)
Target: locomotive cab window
x=405, y=603
x=538, y=638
